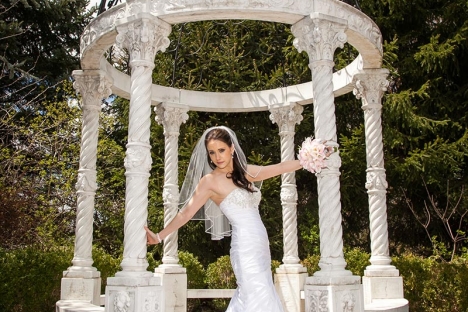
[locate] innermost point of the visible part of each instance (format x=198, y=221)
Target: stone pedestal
x=333, y=294
x=83, y=285
x=136, y=294
x=289, y=282
x=174, y=285
x=383, y=290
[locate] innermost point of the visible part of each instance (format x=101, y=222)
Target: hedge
x=30, y=278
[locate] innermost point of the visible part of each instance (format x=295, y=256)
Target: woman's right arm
x=200, y=197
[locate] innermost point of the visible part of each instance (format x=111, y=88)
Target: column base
x=289, y=283
x=334, y=298
x=324, y=279
x=378, y=288
x=174, y=287
x=82, y=285
x=137, y=294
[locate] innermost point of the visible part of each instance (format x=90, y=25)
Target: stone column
x=319, y=35
x=381, y=279
x=173, y=275
x=291, y=275
x=82, y=281
x=143, y=37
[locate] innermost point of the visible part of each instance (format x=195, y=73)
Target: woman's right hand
x=151, y=237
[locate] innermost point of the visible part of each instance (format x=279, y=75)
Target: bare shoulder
x=206, y=183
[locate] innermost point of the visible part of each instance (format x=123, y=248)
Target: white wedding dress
x=250, y=255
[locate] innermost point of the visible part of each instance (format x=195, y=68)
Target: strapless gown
x=250, y=255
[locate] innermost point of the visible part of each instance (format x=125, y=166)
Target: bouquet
x=312, y=154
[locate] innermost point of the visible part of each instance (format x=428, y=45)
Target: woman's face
x=220, y=153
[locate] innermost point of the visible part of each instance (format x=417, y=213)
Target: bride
x=220, y=180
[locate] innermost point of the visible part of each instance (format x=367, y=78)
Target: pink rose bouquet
x=312, y=154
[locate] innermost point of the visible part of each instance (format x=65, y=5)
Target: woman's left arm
x=259, y=173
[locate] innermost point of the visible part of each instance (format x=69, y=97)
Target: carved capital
x=319, y=36
x=287, y=117
x=370, y=86
x=170, y=117
x=93, y=87
x=144, y=38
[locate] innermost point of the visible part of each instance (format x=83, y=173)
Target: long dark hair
x=238, y=173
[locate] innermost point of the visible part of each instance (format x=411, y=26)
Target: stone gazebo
x=320, y=27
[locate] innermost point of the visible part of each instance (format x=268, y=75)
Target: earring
x=232, y=155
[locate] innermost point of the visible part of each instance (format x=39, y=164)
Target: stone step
x=77, y=306
x=389, y=305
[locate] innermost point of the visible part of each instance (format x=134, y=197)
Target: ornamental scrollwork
x=376, y=180
x=86, y=182
x=122, y=302
x=318, y=301
x=348, y=302
x=138, y=157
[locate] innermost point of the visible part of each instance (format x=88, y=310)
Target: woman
x=230, y=187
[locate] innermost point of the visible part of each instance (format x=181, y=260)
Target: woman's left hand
x=151, y=238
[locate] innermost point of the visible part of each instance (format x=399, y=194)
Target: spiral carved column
x=381, y=280
x=369, y=87
x=287, y=117
x=171, y=118
x=93, y=87
x=81, y=280
x=319, y=36
x=291, y=275
x=143, y=38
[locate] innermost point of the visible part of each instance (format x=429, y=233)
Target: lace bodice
x=241, y=198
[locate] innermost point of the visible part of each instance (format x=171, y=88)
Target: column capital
x=286, y=116
x=319, y=35
x=171, y=116
x=370, y=85
x=93, y=85
x=143, y=38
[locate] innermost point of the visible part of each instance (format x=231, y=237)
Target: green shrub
x=357, y=260
x=106, y=264
x=220, y=275
x=195, y=271
x=311, y=263
x=432, y=285
x=274, y=265
x=30, y=278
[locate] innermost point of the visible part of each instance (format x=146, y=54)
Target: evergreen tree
x=38, y=130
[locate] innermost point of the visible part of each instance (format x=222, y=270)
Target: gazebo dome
x=361, y=32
